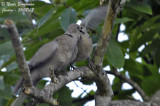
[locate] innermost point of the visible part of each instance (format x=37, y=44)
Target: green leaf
x=91, y=92
x=143, y=38
x=140, y=6
x=149, y=47
x=53, y=26
x=45, y=18
x=6, y=48
x=157, y=57
x=1, y=63
x=43, y=104
x=115, y=55
x=10, y=78
x=122, y=20
x=41, y=8
x=1, y=83
x=122, y=94
x=12, y=66
x=5, y=58
x=68, y=16
x=16, y=15
x=6, y=93
x=64, y=96
x=151, y=84
x=41, y=84
x=4, y=36
x=158, y=1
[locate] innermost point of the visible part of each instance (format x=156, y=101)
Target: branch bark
x=18, y=47
x=104, y=91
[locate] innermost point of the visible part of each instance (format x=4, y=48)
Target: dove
x=81, y=48
x=52, y=57
x=84, y=45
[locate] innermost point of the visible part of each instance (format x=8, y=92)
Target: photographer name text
x=21, y=7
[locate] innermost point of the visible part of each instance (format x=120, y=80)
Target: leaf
x=6, y=93
x=1, y=63
x=6, y=48
x=148, y=48
x=10, y=78
x=143, y=38
x=157, y=57
x=122, y=20
x=114, y=54
x=64, y=96
x=41, y=8
x=122, y=94
x=41, y=84
x=53, y=26
x=4, y=36
x=43, y=104
x=68, y=16
x=140, y=6
x=82, y=63
x=158, y=1
x=92, y=92
x=45, y=18
x=12, y=66
x=151, y=84
x=1, y=83
x=16, y=15
x=5, y=58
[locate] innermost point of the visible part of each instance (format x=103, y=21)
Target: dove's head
x=77, y=31
x=72, y=28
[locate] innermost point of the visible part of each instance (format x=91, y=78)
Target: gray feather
x=95, y=17
x=84, y=46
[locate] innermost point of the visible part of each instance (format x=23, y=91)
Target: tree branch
x=131, y=82
x=18, y=47
x=104, y=91
x=106, y=32
x=45, y=95
x=83, y=100
x=129, y=103
x=28, y=84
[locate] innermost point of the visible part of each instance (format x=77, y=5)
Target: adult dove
x=53, y=56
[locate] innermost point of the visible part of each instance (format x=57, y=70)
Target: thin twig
x=81, y=88
x=131, y=82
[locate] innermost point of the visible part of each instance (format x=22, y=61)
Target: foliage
x=142, y=24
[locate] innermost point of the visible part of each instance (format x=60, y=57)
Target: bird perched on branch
x=77, y=37
x=74, y=45
x=56, y=55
